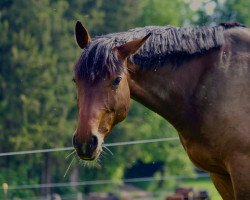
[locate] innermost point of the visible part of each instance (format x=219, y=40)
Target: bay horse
x=197, y=78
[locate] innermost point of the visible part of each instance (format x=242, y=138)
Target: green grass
x=203, y=183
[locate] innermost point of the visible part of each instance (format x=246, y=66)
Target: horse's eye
x=116, y=81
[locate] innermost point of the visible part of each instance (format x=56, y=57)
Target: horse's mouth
x=84, y=157
x=88, y=157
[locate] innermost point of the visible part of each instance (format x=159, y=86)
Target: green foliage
x=35, y=76
x=223, y=11
x=120, y=16
x=157, y=12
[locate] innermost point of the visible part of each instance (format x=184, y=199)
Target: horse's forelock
x=98, y=61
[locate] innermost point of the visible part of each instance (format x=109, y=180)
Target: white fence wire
x=71, y=148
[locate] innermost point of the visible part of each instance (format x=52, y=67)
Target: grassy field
x=203, y=183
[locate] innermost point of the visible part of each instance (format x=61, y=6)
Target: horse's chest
x=203, y=156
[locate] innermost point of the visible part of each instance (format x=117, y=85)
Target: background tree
x=217, y=11
x=157, y=12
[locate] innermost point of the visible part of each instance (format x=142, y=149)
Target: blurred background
x=38, y=105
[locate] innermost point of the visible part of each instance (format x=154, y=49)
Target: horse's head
x=103, y=93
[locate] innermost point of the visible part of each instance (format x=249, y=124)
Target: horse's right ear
x=131, y=47
x=82, y=35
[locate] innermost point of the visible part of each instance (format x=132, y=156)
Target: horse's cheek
x=122, y=113
x=122, y=108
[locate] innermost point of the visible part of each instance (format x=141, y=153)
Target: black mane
x=166, y=44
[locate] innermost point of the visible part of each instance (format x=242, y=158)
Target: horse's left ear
x=82, y=35
x=131, y=47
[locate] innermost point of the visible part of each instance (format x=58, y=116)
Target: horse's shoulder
x=238, y=36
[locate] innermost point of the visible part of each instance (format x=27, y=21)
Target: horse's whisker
x=69, y=166
x=74, y=151
x=108, y=150
x=103, y=154
x=90, y=164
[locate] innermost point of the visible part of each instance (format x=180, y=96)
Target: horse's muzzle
x=86, y=151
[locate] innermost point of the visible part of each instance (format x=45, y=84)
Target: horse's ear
x=132, y=47
x=82, y=35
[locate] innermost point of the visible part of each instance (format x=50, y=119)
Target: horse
x=197, y=78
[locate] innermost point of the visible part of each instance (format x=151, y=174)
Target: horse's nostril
x=93, y=142
x=76, y=144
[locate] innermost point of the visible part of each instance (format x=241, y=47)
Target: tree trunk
x=46, y=176
x=74, y=176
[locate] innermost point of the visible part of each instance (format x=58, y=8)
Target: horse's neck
x=169, y=92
